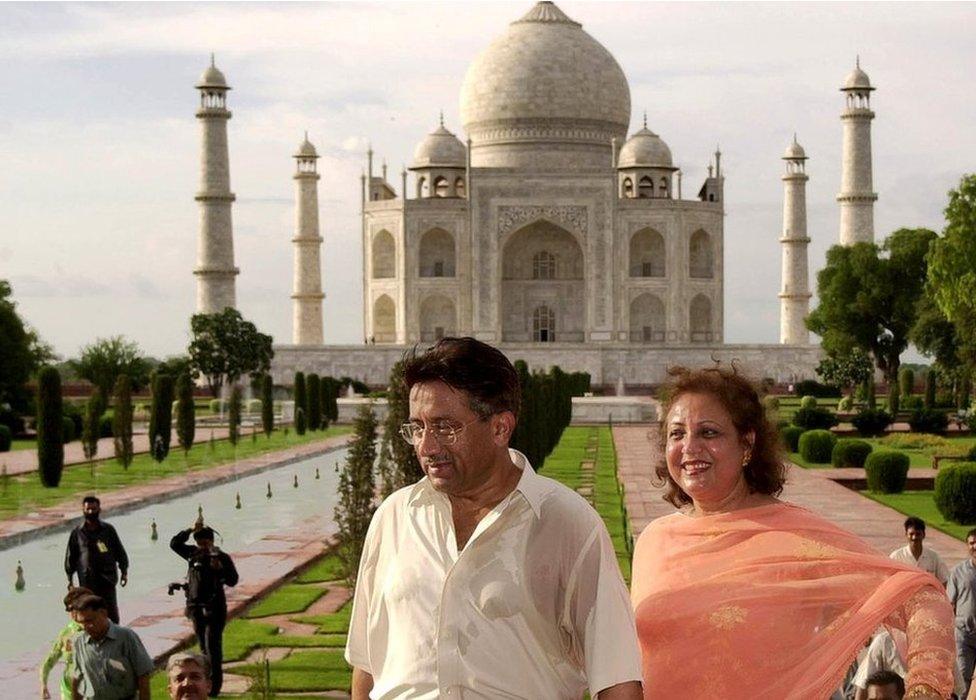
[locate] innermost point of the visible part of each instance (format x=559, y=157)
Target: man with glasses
x=485, y=579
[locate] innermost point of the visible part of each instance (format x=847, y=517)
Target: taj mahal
x=546, y=230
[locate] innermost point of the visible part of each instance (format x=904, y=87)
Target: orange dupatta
x=774, y=602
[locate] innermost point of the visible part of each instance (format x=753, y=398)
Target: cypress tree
x=122, y=421
x=931, y=378
x=90, y=426
x=893, y=403
x=406, y=468
x=186, y=418
x=50, y=424
x=313, y=391
x=524, y=428
x=325, y=416
x=234, y=415
x=906, y=381
x=267, y=404
x=161, y=416
x=300, y=403
x=356, y=492
x=332, y=407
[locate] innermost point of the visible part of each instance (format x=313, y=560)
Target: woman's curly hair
x=766, y=471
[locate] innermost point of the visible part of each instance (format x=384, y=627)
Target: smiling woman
x=741, y=595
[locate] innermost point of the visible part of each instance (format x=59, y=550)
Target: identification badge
x=102, y=549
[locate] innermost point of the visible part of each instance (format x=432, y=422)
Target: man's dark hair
x=883, y=678
x=971, y=533
x=90, y=499
x=204, y=533
x=73, y=595
x=90, y=602
x=468, y=365
x=914, y=522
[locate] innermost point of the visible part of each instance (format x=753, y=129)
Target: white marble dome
x=645, y=149
x=857, y=79
x=440, y=148
x=794, y=151
x=306, y=149
x=212, y=77
x=544, y=81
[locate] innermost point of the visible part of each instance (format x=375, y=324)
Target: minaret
x=795, y=294
x=857, y=194
x=307, y=291
x=215, y=269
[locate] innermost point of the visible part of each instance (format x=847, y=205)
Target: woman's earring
x=746, y=457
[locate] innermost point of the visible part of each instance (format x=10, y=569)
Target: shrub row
x=887, y=471
x=955, y=492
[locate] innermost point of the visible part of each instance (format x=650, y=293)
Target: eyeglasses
x=445, y=433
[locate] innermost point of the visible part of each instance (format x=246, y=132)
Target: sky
x=100, y=147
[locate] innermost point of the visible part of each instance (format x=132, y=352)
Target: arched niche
x=542, y=265
x=384, y=255
x=647, y=254
x=442, y=187
x=543, y=324
x=422, y=186
x=647, y=319
x=645, y=188
x=700, y=319
x=438, y=318
x=700, y=256
x=628, y=190
x=459, y=188
x=437, y=254
x=384, y=320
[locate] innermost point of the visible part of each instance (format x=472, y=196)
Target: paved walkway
x=63, y=516
x=882, y=527
x=23, y=461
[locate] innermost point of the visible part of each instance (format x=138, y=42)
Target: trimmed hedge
x=791, y=437
x=955, y=492
x=814, y=418
x=871, y=422
x=850, y=453
x=928, y=420
x=811, y=387
x=816, y=446
x=217, y=406
x=846, y=404
x=887, y=471
x=808, y=402
x=68, y=433
x=771, y=405
x=6, y=438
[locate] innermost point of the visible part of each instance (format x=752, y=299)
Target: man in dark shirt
x=96, y=555
x=208, y=572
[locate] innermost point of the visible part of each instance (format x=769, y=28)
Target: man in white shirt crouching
x=915, y=554
x=484, y=579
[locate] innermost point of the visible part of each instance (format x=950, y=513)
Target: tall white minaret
x=307, y=291
x=794, y=305
x=857, y=195
x=215, y=269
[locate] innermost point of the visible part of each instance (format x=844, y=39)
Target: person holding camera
x=208, y=572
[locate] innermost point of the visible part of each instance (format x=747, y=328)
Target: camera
x=173, y=587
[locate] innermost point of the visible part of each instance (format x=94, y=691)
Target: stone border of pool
x=24, y=528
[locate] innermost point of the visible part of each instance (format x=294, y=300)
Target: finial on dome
x=794, y=137
x=212, y=64
x=645, y=118
x=857, y=60
x=442, y=118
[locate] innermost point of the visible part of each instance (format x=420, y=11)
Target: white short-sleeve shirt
x=534, y=606
x=929, y=561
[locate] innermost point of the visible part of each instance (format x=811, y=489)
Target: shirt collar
x=529, y=485
x=111, y=633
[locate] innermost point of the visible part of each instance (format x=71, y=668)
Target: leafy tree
x=300, y=403
x=267, y=404
x=21, y=350
x=161, y=416
x=225, y=347
x=186, y=419
x=50, y=424
x=906, y=381
x=356, y=492
x=313, y=393
x=122, y=421
x=931, y=377
x=846, y=370
x=934, y=335
x=952, y=268
x=406, y=468
x=103, y=361
x=175, y=366
x=91, y=425
x=869, y=297
x=234, y=414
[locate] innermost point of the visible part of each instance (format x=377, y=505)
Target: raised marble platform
x=615, y=409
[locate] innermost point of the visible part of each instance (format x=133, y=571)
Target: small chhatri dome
x=794, y=151
x=440, y=148
x=212, y=77
x=857, y=79
x=306, y=149
x=645, y=149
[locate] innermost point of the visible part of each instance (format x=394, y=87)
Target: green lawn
x=24, y=493
x=921, y=505
x=290, y=598
x=326, y=569
x=305, y=671
x=21, y=444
